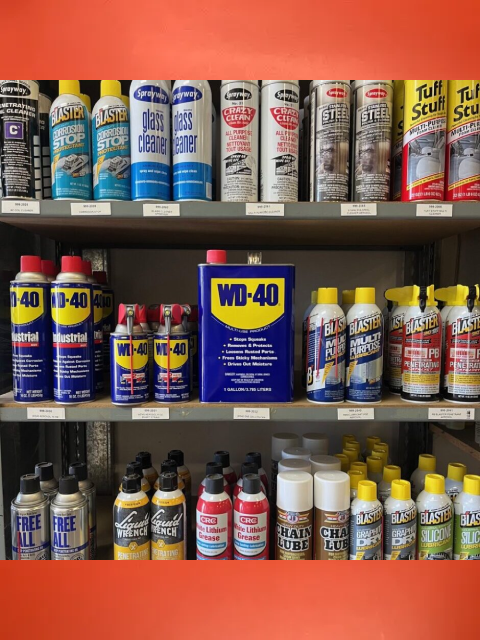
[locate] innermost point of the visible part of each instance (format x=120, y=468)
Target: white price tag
x=356, y=413
x=358, y=209
x=264, y=209
x=450, y=413
x=161, y=210
x=150, y=413
x=91, y=209
x=45, y=413
x=432, y=210
x=250, y=413
x=21, y=206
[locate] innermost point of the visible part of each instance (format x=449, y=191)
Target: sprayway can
x=171, y=346
x=129, y=374
x=371, y=135
x=435, y=520
x=31, y=333
x=223, y=457
x=400, y=523
x=329, y=140
x=192, y=140
x=48, y=482
x=111, y=144
x=332, y=515
x=168, y=520
x=108, y=315
x=97, y=324
x=184, y=474
x=466, y=539
x=294, y=521
x=20, y=159
x=397, y=138
x=73, y=344
x=69, y=522
x=279, y=141
x=44, y=105
x=148, y=470
x=424, y=125
x=131, y=522
x=30, y=517
x=214, y=521
x=251, y=521
x=366, y=523
x=89, y=491
x=239, y=140
x=70, y=144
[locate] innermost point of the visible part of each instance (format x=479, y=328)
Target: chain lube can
x=171, y=348
x=30, y=517
x=192, y=140
x=69, y=522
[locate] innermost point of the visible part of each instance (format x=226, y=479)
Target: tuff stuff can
x=366, y=523
x=69, y=522
x=168, y=520
x=30, y=517
x=131, y=522
x=31, y=333
x=172, y=369
x=89, y=491
x=97, y=324
x=279, y=141
x=400, y=523
x=192, y=140
x=332, y=515
x=424, y=125
x=397, y=138
x=294, y=522
x=214, y=521
x=20, y=157
x=466, y=539
x=44, y=105
x=239, y=140
x=251, y=521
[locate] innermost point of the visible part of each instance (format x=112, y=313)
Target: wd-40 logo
x=186, y=94
x=248, y=303
x=97, y=306
x=124, y=350
x=421, y=324
x=111, y=115
x=151, y=93
x=107, y=304
x=67, y=113
x=71, y=306
x=26, y=304
x=465, y=325
x=173, y=354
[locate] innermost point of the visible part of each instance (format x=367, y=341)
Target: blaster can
x=30, y=516
x=69, y=522
x=172, y=369
x=89, y=491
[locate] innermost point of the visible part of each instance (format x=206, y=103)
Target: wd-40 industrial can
x=70, y=144
x=395, y=340
x=131, y=522
x=73, y=336
x=239, y=102
x=424, y=125
x=30, y=516
x=364, y=355
x=329, y=140
x=150, y=139
x=246, y=330
x=372, y=139
x=397, y=138
x=20, y=158
x=89, y=491
x=192, y=140
x=169, y=520
x=172, y=369
x=44, y=105
x=326, y=350
x=279, y=141
x=48, y=482
x=108, y=316
x=463, y=141
x=69, y=522
x=31, y=333
x=111, y=144
x=97, y=324
x=129, y=374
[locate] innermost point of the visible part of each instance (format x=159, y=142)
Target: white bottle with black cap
x=255, y=456
x=280, y=441
x=69, y=522
x=30, y=518
x=251, y=521
x=247, y=467
x=228, y=472
x=294, y=521
x=88, y=489
x=316, y=443
x=48, y=482
x=325, y=463
x=331, y=491
x=214, y=521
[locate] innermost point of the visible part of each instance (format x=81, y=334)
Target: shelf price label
x=266, y=209
x=450, y=413
x=356, y=413
x=433, y=210
x=150, y=413
x=45, y=413
x=358, y=209
x=251, y=413
x=90, y=209
x=21, y=206
x=159, y=210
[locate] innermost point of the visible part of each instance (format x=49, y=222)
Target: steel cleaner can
x=44, y=105
x=172, y=369
x=30, y=517
x=69, y=522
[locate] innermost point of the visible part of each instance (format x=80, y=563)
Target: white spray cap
x=294, y=464
x=316, y=442
x=296, y=452
x=281, y=441
x=294, y=491
x=332, y=491
x=325, y=463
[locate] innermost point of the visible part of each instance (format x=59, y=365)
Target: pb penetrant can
x=69, y=522
x=397, y=138
x=251, y=521
x=400, y=523
x=44, y=105
x=171, y=365
x=169, y=520
x=97, y=324
x=214, y=521
x=89, y=491
x=332, y=515
x=435, y=520
x=31, y=333
x=131, y=521
x=30, y=516
x=48, y=482
x=466, y=539
x=366, y=523
x=294, y=521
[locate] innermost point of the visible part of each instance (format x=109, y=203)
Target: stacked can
x=108, y=315
x=97, y=324
x=30, y=515
x=69, y=522
x=171, y=345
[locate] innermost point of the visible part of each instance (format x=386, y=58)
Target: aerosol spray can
x=192, y=328
x=306, y=335
x=332, y=515
x=171, y=345
x=294, y=520
x=184, y=474
x=135, y=468
x=30, y=517
x=456, y=472
x=435, y=521
x=44, y=105
x=279, y=141
x=214, y=468
x=316, y=443
x=69, y=522
x=170, y=466
x=397, y=138
x=49, y=269
x=395, y=340
x=426, y=464
x=467, y=520
x=131, y=522
x=214, y=521
x=366, y=523
x=348, y=300
x=355, y=476
x=239, y=140
x=343, y=462
x=370, y=442
x=251, y=521
x=294, y=464
x=280, y=441
x=391, y=472
x=48, y=482
x=148, y=470
x=255, y=456
x=168, y=520
x=321, y=463
x=400, y=523
x=296, y=452
x=223, y=457
x=97, y=324
x=247, y=467
x=108, y=316
x=88, y=490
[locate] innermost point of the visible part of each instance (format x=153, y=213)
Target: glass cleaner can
x=30, y=517
x=69, y=522
x=131, y=521
x=44, y=105
x=89, y=491
x=172, y=369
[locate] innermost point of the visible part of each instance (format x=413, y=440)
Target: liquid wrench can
x=172, y=370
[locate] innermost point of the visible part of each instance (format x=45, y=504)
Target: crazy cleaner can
x=108, y=315
x=31, y=333
x=44, y=105
x=129, y=374
x=171, y=345
x=150, y=139
x=192, y=140
x=397, y=138
x=400, y=523
x=30, y=517
x=69, y=522
x=251, y=521
x=70, y=144
x=131, y=521
x=395, y=340
x=48, y=482
x=169, y=520
x=89, y=491
x=214, y=521
x=97, y=324
x=111, y=144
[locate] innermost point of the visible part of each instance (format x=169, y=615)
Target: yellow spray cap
x=348, y=296
x=126, y=101
x=381, y=452
x=410, y=296
x=427, y=462
x=456, y=471
x=471, y=485
x=354, y=444
x=327, y=295
x=456, y=296
x=401, y=490
x=313, y=297
x=391, y=472
x=365, y=295
x=395, y=295
x=359, y=466
x=347, y=437
x=86, y=101
x=374, y=464
x=367, y=490
x=355, y=477
x=372, y=441
x=344, y=461
x=434, y=483
x=110, y=88
x=351, y=453
x=69, y=86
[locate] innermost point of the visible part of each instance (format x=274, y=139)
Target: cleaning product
x=251, y=521
x=390, y=472
x=467, y=520
x=366, y=516
x=294, y=520
x=214, y=521
x=454, y=480
x=426, y=464
x=435, y=520
x=400, y=523
x=332, y=515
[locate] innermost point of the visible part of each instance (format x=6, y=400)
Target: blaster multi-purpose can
x=89, y=491
x=30, y=514
x=171, y=367
x=397, y=139
x=69, y=522
x=44, y=104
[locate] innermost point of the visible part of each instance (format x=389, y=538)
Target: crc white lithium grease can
x=131, y=521
x=279, y=141
x=30, y=515
x=20, y=158
x=89, y=491
x=44, y=104
x=69, y=522
x=372, y=133
x=172, y=369
x=239, y=122
x=329, y=140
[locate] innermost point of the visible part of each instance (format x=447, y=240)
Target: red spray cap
x=122, y=313
x=87, y=267
x=193, y=317
x=176, y=313
x=100, y=276
x=49, y=268
x=153, y=313
x=216, y=256
x=72, y=264
x=142, y=314
x=32, y=264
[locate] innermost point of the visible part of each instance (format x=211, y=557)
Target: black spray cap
x=254, y=456
x=213, y=468
x=223, y=457
x=131, y=483
x=169, y=466
x=29, y=483
x=145, y=459
x=251, y=483
x=214, y=483
x=79, y=470
x=249, y=467
x=44, y=470
x=133, y=468
x=177, y=455
x=68, y=485
x=168, y=481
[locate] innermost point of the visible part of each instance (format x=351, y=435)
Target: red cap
x=72, y=264
x=87, y=267
x=32, y=264
x=142, y=314
x=122, y=314
x=193, y=317
x=176, y=314
x=100, y=276
x=49, y=268
x=216, y=256
x=153, y=313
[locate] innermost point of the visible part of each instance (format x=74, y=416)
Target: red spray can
x=212, y=469
x=228, y=472
x=214, y=521
x=247, y=467
x=251, y=521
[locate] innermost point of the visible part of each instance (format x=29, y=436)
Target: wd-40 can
x=129, y=374
x=169, y=520
x=69, y=522
x=142, y=315
x=192, y=328
x=131, y=522
x=463, y=141
x=395, y=340
x=50, y=270
x=30, y=515
x=89, y=491
x=108, y=316
x=44, y=105
x=31, y=333
x=97, y=324
x=111, y=144
x=192, y=140
x=397, y=139
x=239, y=140
x=424, y=125
x=20, y=159
x=70, y=144
x=329, y=140
x=279, y=141
x=364, y=354
x=73, y=344
x=326, y=350
x=150, y=139
x=246, y=330
x=372, y=138
x=172, y=369
x=48, y=482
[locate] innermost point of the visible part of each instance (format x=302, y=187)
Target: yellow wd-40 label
x=177, y=350
x=71, y=306
x=97, y=305
x=26, y=303
x=124, y=350
x=131, y=529
x=169, y=528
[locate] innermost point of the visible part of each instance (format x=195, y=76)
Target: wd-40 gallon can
x=171, y=349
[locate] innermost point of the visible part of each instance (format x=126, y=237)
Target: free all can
x=30, y=517
x=171, y=367
x=69, y=522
